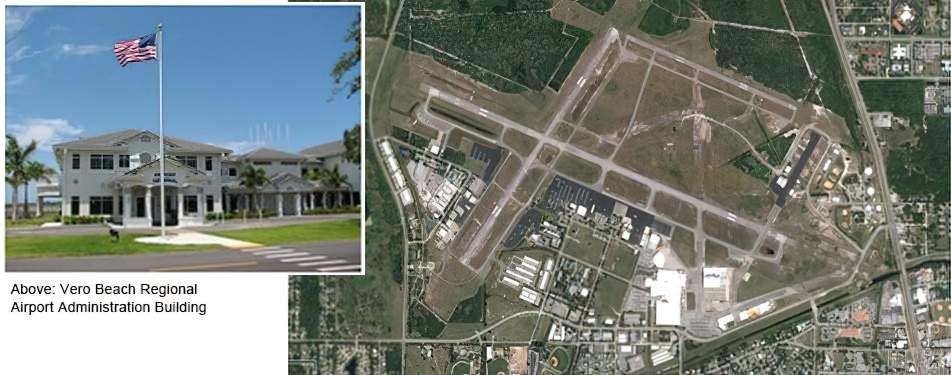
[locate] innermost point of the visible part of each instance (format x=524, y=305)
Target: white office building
x=116, y=175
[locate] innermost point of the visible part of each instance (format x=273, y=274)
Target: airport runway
x=324, y=256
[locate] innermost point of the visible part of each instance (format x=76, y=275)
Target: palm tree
x=318, y=175
x=34, y=171
x=253, y=179
x=16, y=167
x=333, y=179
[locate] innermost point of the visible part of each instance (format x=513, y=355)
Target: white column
x=280, y=204
x=115, y=203
x=148, y=204
x=126, y=205
x=202, y=204
x=181, y=206
x=297, y=204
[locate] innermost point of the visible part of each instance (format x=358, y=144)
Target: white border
x=221, y=3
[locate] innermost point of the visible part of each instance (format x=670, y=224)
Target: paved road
x=225, y=225
x=324, y=256
x=914, y=344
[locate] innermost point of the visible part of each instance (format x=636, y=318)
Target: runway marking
x=349, y=267
x=316, y=257
x=203, y=266
x=261, y=248
x=273, y=252
x=322, y=263
x=286, y=255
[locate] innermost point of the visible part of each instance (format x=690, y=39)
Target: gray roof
x=265, y=153
x=113, y=139
x=326, y=149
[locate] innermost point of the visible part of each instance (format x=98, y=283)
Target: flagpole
x=159, y=52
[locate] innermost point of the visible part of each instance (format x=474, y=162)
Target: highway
x=914, y=344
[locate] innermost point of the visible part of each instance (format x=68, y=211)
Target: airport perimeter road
x=324, y=256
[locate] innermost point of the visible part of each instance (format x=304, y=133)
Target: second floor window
x=123, y=161
x=233, y=172
x=97, y=161
x=75, y=161
x=208, y=164
x=191, y=161
x=262, y=163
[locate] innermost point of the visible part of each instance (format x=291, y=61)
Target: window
x=123, y=161
x=209, y=203
x=262, y=163
x=74, y=205
x=100, y=205
x=288, y=163
x=191, y=204
x=75, y=161
x=191, y=161
x=233, y=172
x=208, y=166
x=97, y=161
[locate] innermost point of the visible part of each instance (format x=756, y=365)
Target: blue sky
x=238, y=77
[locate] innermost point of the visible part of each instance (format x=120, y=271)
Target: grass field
x=31, y=221
x=676, y=209
x=665, y=17
x=665, y=92
x=322, y=231
x=620, y=259
x=591, y=143
x=85, y=245
x=613, y=108
x=608, y=297
x=578, y=168
x=728, y=231
x=521, y=143
x=682, y=244
x=583, y=245
x=627, y=189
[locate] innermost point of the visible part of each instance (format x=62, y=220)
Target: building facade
x=116, y=176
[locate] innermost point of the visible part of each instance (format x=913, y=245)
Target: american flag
x=135, y=50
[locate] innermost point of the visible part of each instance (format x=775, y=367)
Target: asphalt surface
x=324, y=256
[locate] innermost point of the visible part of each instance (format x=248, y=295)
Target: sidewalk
x=252, y=222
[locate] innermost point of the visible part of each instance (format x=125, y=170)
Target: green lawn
x=31, y=222
x=322, y=231
x=101, y=244
x=84, y=245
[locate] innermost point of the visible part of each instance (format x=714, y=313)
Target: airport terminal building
x=116, y=175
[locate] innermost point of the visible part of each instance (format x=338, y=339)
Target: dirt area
x=682, y=243
x=719, y=106
x=591, y=143
x=521, y=143
x=625, y=188
x=577, y=15
x=548, y=154
x=728, y=231
x=577, y=168
x=612, y=109
x=453, y=283
x=825, y=120
x=563, y=131
x=665, y=153
x=665, y=93
x=676, y=209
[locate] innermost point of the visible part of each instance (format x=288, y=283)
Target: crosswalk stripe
x=273, y=252
x=286, y=255
x=315, y=257
x=323, y=262
x=349, y=267
x=261, y=248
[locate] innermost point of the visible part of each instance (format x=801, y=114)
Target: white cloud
x=17, y=18
x=70, y=49
x=239, y=147
x=46, y=132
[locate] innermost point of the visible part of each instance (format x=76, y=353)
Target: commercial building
x=116, y=175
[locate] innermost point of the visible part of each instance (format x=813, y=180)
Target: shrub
x=83, y=219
